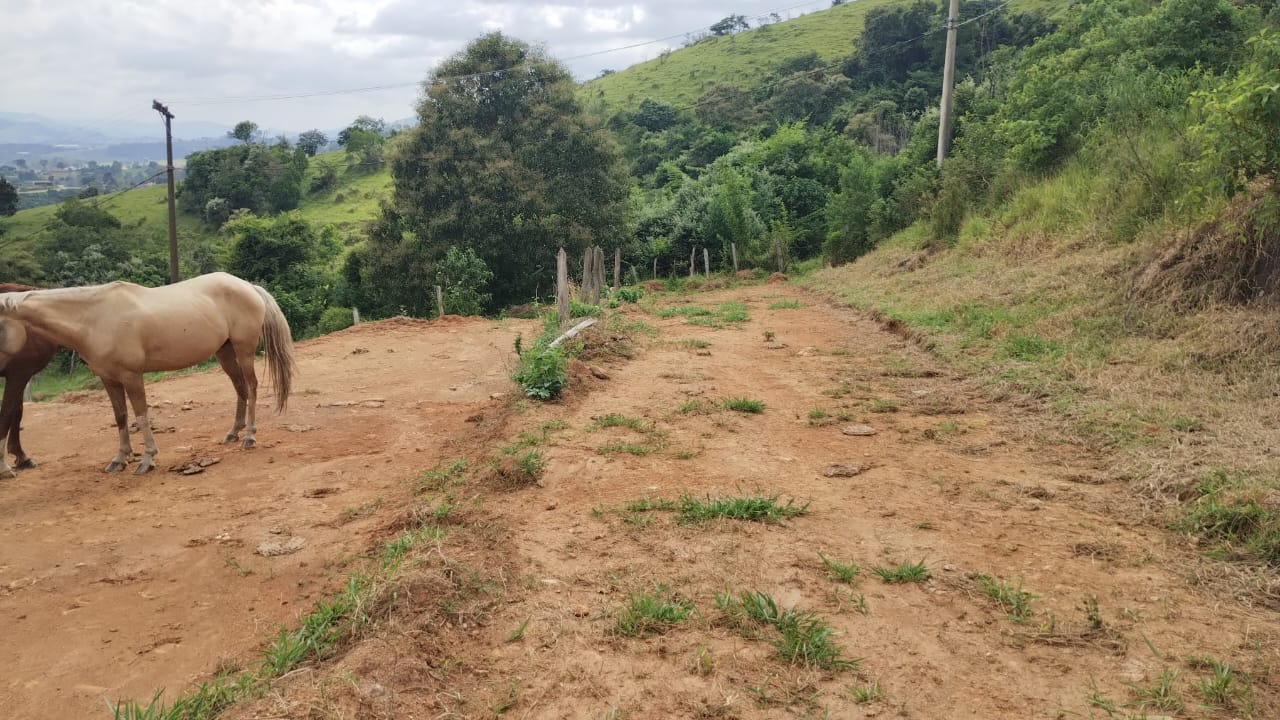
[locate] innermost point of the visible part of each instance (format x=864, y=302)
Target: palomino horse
x=122, y=330
x=22, y=355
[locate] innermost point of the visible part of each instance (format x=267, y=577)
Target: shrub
x=334, y=319
x=541, y=372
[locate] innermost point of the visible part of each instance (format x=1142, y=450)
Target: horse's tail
x=278, y=342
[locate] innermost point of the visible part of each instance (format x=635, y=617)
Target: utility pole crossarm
x=173, y=211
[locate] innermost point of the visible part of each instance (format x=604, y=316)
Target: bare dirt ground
x=116, y=586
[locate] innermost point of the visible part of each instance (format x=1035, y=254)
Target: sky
x=100, y=63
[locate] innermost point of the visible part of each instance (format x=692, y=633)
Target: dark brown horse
x=22, y=355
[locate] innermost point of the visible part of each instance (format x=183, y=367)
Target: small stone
x=497, y=396
x=598, y=374
x=581, y=611
x=858, y=430
x=359, y=351
x=703, y=353
x=552, y=505
x=949, y=567
x=775, y=345
x=272, y=548
x=844, y=469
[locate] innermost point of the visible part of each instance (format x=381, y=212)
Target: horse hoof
x=26, y=464
x=7, y=474
x=113, y=466
x=248, y=444
x=144, y=467
x=230, y=438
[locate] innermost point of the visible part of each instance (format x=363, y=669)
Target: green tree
x=311, y=141
x=849, y=212
x=462, y=276
x=503, y=161
x=245, y=131
x=8, y=198
x=288, y=257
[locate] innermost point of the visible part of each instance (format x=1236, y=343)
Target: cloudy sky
x=101, y=62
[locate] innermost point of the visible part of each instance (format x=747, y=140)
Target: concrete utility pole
x=173, y=211
x=948, y=80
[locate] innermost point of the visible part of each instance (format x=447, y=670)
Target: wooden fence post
x=355, y=316
x=562, y=287
x=655, y=268
x=692, y=253
x=733, y=247
x=617, y=268
x=439, y=302
x=598, y=288
x=584, y=291
x=706, y=263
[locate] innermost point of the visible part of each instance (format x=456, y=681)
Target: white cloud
x=79, y=60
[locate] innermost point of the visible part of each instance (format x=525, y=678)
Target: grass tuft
x=651, y=614
x=1015, y=600
x=904, y=573
x=757, y=508
x=743, y=405
x=840, y=572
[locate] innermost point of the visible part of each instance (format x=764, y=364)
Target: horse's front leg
x=21, y=461
x=115, y=391
x=9, y=422
x=138, y=398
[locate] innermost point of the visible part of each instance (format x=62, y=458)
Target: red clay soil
x=116, y=586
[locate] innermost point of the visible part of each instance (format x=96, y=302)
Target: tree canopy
x=503, y=162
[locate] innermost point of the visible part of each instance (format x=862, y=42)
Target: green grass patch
x=1031, y=348
x=697, y=407
x=800, y=638
x=649, y=614
x=615, y=420
x=1237, y=526
x=840, y=572
x=1014, y=600
x=756, y=508
x=907, y=572
x=880, y=405
x=785, y=305
x=628, y=448
x=695, y=343
x=684, y=311
x=743, y=405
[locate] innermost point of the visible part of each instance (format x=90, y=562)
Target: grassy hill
x=682, y=76
x=351, y=203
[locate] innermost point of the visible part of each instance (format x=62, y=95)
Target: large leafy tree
x=504, y=162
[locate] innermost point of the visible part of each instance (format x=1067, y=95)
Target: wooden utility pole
x=948, y=81
x=173, y=210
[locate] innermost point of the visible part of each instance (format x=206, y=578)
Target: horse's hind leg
x=138, y=398
x=115, y=391
x=245, y=359
x=227, y=359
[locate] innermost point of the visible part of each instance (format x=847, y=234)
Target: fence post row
x=733, y=248
x=706, y=263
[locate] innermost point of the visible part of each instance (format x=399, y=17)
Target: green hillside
x=347, y=206
x=741, y=60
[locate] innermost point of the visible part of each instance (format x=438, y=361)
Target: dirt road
x=517, y=613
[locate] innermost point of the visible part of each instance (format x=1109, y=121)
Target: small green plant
x=1092, y=614
x=904, y=573
x=758, y=508
x=840, y=572
x=1015, y=600
x=863, y=694
x=733, y=312
x=860, y=604
x=442, y=478
x=684, y=311
x=877, y=405
x=696, y=407
x=581, y=309
x=1030, y=347
x=628, y=448
x=743, y=405
x=768, y=336
x=1222, y=688
x=1162, y=695
x=785, y=305
x=629, y=294
x=803, y=638
x=518, y=633
x=695, y=343
x=839, y=391
x=519, y=469
x=651, y=614
x=704, y=663
x=614, y=420
x=818, y=416
x=541, y=374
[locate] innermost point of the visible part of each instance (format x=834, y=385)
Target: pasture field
x=751, y=502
